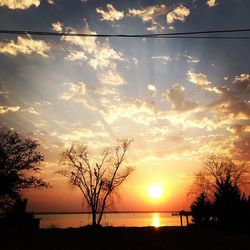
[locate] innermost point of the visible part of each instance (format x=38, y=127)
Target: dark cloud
x=176, y=96
x=241, y=149
x=235, y=99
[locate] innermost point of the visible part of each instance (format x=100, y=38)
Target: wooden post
x=181, y=219
x=187, y=219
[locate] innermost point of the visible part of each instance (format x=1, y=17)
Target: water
x=110, y=219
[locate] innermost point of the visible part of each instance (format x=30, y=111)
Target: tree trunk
x=101, y=212
x=100, y=218
x=93, y=218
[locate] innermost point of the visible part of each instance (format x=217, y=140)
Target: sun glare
x=155, y=191
x=156, y=220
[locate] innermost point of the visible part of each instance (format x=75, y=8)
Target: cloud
x=180, y=13
x=202, y=81
x=134, y=109
x=175, y=95
x=82, y=89
x=51, y=2
x=75, y=55
x=24, y=45
x=199, y=79
x=57, y=26
x=152, y=88
x=6, y=109
x=191, y=59
x=111, y=14
x=234, y=100
x=242, y=78
x=234, y=106
x=75, y=91
x=101, y=56
x=243, y=82
x=4, y=92
x=164, y=59
x=81, y=134
x=104, y=56
x=30, y=110
x=238, y=128
x=112, y=77
x=111, y=106
x=135, y=60
x=88, y=44
x=149, y=14
x=19, y=4
x=241, y=146
x=211, y=3
x=87, y=95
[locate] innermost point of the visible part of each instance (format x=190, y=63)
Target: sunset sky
x=180, y=100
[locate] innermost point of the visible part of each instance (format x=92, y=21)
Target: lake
x=110, y=219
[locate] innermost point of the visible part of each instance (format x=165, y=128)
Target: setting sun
x=155, y=191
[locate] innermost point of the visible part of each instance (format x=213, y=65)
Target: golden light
x=155, y=191
x=156, y=220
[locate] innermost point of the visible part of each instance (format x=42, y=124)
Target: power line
x=207, y=37
x=175, y=35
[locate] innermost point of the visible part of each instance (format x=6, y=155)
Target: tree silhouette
x=201, y=210
x=98, y=182
x=19, y=161
x=227, y=203
x=219, y=197
x=216, y=171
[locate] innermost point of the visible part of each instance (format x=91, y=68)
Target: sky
x=180, y=100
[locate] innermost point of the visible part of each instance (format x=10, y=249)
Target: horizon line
x=109, y=212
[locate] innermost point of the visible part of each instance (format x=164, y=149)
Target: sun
x=155, y=191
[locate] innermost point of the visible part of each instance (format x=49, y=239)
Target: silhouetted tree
x=227, y=204
x=216, y=171
x=19, y=160
x=218, y=183
x=201, y=210
x=97, y=182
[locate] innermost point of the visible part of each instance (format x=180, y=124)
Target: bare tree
x=97, y=182
x=216, y=171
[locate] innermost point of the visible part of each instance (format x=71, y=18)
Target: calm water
x=110, y=219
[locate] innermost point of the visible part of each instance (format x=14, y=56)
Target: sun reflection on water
x=156, y=220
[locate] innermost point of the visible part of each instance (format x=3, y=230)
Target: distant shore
x=121, y=238
x=110, y=212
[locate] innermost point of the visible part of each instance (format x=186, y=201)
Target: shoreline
x=127, y=238
x=111, y=212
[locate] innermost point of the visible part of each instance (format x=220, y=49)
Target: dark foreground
x=169, y=238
